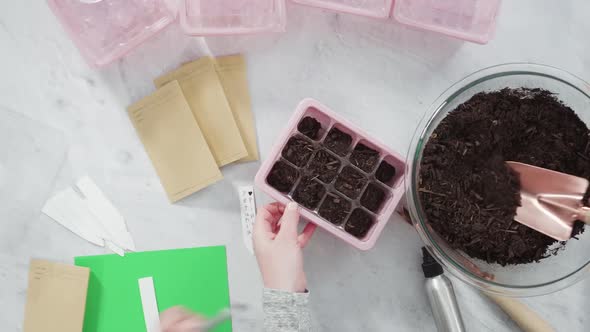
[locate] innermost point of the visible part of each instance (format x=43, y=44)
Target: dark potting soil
x=324, y=166
x=359, y=223
x=335, y=209
x=338, y=141
x=468, y=193
x=282, y=176
x=309, y=193
x=385, y=172
x=350, y=182
x=364, y=158
x=373, y=197
x=309, y=127
x=298, y=151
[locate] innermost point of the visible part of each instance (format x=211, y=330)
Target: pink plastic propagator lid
x=370, y=8
x=471, y=20
x=231, y=17
x=106, y=30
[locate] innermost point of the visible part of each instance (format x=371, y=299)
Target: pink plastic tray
x=370, y=8
x=471, y=20
x=106, y=30
x=225, y=17
x=328, y=119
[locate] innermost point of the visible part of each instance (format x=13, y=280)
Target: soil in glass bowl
x=469, y=194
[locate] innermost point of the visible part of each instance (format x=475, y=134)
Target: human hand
x=178, y=319
x=278, y=247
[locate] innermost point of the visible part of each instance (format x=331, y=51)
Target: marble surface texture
x=380, y=75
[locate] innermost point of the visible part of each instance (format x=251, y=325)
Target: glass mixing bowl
x=550, y=274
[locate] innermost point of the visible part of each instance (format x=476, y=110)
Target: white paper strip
x=67, y=209
x=112, y=221
x=86, y=211
x=248, y=214
x=149, y=304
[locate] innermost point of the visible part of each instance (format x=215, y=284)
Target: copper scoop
x=550, y=201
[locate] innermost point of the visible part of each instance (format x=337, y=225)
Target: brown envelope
x=233, y=76
x=174, y=142
x=56, y=297
x=206, y=98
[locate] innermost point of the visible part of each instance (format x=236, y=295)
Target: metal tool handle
x=443, y=302
x=523, y=316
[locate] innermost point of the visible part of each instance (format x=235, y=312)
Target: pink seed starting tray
x=106, y=30
x=370, y=8
x=345, y=181
x=471, y=20
x=230, y=17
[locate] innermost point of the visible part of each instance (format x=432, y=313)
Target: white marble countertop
x=380, y=75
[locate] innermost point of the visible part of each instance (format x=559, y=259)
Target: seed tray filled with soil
x=335, y=209
x=364, y=157
x=345, y=181
x=468, y=193
x=324, y=166
x=282, y=177
x=359, y=223
x=338, y=141
x=309, y=193
x=310, y=127
x=374, y=197
x=350, y=182
x=386, y=172
x=298, y=151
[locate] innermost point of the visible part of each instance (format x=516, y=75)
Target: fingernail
x=292, y=206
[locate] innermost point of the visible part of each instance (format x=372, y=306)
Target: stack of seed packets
x=198, y=120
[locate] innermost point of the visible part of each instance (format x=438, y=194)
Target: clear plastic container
x=550, y=274
x=230, y=17
x=370, y=8
x=471, y=20
x=106, y=30
x=329, y=186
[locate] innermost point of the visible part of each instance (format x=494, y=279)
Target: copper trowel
x=550, y=201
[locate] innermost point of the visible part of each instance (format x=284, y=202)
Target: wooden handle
x=523, y=316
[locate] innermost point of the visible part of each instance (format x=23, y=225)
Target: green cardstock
x=194, y=278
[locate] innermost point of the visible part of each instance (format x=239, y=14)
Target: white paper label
x=105, y=212
x=86, y=211
x=248, y=212
x=149, y=304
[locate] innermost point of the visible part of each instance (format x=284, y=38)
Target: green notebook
x=195, y=278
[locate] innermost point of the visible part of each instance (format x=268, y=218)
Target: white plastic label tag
x=248, y=214
x=149, y=304
x=86, y=211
